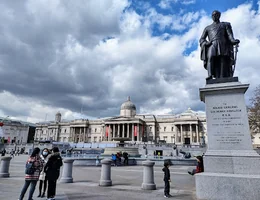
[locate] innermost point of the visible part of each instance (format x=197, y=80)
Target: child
x=167, y=180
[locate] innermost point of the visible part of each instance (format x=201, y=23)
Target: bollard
x=67, y=171
x=4, y=166
x=148, y=176
x=105, y=179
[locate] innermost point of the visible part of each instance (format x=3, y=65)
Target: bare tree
x=254, y=112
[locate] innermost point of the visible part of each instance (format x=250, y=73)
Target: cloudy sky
x=83, y=58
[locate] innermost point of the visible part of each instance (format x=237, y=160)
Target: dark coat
x=167, y=175
x=52, y=167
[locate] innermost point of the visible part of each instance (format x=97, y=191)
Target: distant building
x=17, y=132
x=187, y=128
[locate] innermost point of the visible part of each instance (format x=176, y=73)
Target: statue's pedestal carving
x=231, y=165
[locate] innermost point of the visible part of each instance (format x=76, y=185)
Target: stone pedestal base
x=233, y=162
x=105, y=179
x=4, y=167
x=148, y=176
x=223, y=186
x=67, y=171
x=148, y=186
x=105, y=183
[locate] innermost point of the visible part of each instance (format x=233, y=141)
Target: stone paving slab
x=126, y=184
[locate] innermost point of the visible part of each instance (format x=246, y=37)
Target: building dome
x=128, y=109
x=128, y=105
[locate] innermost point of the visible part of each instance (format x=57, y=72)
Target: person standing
x=167, y=180
x=52, y=170
x=43, y=178
x=31, y=179
x=3, y=152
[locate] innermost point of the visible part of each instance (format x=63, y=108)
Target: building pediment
x=121, y=119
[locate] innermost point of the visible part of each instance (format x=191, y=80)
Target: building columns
x=138, y=132
x=181, y=134
x=191, y=136
x=127, y=135
x=114, y=130
x=197, y=133
x=123, y=133
x=109, y=132
x=133, y=127
x=176, y=133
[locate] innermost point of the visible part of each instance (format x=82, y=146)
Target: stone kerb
x=148, y=176
x=105, y=179
x=67, y=171
x=4, y=167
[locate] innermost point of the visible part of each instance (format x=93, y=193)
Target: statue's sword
x=235, y=58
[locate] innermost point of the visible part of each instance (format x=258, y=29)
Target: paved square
x=126, y=183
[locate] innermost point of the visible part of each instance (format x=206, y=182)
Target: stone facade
x=186, y=128
x=17, y=132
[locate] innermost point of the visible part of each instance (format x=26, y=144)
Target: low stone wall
x=93, y=161
x=134, y=161
x=160, y=162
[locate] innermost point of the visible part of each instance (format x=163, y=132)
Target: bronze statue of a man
x=218, y=52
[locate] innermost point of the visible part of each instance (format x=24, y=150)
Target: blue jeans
x=25, y=187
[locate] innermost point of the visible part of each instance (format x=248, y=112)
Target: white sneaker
x=166, y=196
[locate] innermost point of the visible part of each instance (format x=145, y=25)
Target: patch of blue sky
x=190, y=48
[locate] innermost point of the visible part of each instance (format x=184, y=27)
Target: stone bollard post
x=4, y=166
x=105, y=179
x=67, y=171
x=148, y=176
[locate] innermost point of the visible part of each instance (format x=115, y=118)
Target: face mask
x=45, y=153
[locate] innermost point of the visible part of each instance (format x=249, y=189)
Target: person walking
x=31, y=179
x=43, y=178
x=167, y=180
x=12, y=153
x=52, y=170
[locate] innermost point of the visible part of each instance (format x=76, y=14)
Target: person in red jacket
x=199, y=167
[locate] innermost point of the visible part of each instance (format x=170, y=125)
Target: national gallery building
x=187, y=128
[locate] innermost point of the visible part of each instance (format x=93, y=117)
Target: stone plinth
x=67, y=171
x=148, y=176
x=230, y=162
x=105, y=179
x=4, y=167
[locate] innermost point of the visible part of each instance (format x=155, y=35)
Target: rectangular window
x=172, y=129
x=164, y=129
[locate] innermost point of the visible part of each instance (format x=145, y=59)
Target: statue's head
x=216, y=15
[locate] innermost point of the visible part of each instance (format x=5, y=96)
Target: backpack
x=29, y=168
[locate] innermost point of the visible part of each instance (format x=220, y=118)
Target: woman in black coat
x=52, y=170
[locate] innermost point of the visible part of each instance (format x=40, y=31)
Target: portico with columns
x=131, y=129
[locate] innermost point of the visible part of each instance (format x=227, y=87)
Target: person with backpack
x=43, y=178
x=33, y=167
x=52, y=170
